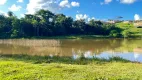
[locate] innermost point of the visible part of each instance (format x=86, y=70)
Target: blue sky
x=78, y=9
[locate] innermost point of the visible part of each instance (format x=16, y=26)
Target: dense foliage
x=45, y=23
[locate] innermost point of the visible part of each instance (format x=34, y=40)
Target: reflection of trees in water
x=95, y=46
x=30, y=42
x=32, y=50
x=13, y=49
x=64, y=47
x=130, y=45
x=32, y=47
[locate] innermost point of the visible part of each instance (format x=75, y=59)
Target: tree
x=60, y=27
x=108, y=28
x=5, y=26
x=35, y=22
x=2, y=25
x=68, y=25
x=10, y=13
x=79, y=26
x=27, y=28
x=45, y=14
x=45, y=23
x=16, y=29
x=29, y=16
x=96, y=27
x=46, y=19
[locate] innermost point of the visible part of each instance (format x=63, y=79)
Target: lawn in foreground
x=11, y=69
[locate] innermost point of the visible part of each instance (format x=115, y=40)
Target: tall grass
x=57, y=59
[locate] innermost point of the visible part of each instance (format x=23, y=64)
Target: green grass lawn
x=28, y=68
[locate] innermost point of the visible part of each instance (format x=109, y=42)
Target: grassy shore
x=73, y=37
x=134, y=36
x=24, y=67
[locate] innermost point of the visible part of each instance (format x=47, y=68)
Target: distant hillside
x=130, y=27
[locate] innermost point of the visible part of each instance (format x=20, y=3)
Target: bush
x=114, y=33
x=126, y=33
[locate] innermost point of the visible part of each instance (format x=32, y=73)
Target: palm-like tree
x=10, y=13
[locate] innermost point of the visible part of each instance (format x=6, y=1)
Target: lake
x=130, y=49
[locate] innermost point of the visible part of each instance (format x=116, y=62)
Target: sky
x=78, y=9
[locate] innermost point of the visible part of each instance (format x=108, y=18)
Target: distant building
x=113, y=21
x=126, y=21
x=138, y=23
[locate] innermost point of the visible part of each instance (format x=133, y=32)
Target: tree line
x=45, y=24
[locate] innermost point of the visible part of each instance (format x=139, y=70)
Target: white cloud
x=127, y=1
x=64, y=3
x=51, y=5
x=15, y=8
x=84, y=17
x=137, y=17
x=106, y=2
x=81, y=16
x=75, y=4
x=22, y=15
x=2, y=2
x=4, y=13
x=20, y=1
x=35, y=5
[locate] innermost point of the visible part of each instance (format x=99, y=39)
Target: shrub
x=114, y=33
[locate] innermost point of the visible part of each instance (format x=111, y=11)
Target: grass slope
x=130, y=27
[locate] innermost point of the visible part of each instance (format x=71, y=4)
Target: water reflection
x=130, y=49
x=88, y=54
x=136, y=55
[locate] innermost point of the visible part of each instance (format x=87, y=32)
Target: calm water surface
x=130, y=49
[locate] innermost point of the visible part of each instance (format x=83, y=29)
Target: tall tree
x=10, y=13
